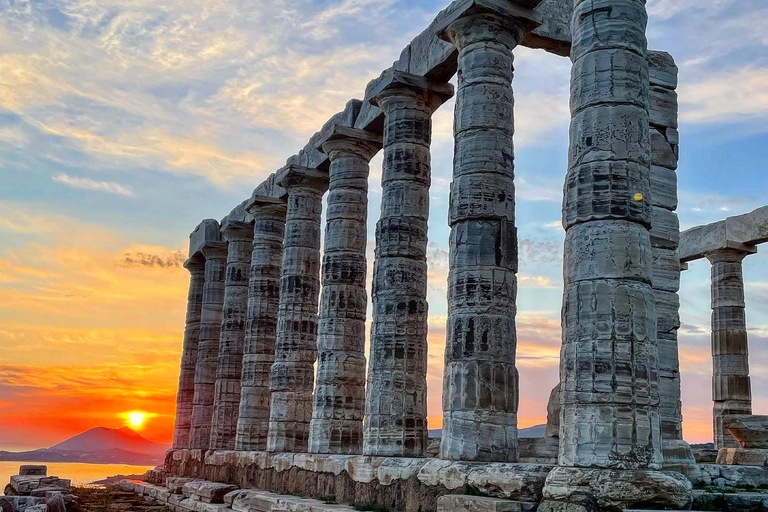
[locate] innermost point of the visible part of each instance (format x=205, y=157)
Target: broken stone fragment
x=751, y=431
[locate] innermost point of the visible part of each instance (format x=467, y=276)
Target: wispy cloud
x=89, y=184
x=730, y=96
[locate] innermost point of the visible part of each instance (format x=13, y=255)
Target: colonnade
x=264, y=308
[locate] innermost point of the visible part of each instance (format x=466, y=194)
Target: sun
x=136, y=419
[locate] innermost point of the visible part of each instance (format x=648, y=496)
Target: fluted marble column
x=292, y=376
x=610, y=358
x=731, y=385
x=208, y=348
x=339, y=399
x=610, y=427
x=261, y=326
x=665, y=242
x=186, y=392
x=226, y=408
x=396, y=405
x=481, y=383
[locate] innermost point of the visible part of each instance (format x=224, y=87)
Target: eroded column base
x=606, y=490
x=678, y=456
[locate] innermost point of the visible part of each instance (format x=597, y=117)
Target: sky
x=124, y=123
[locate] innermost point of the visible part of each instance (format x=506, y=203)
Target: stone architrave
x=208, y=348
x=226, y=408
x=186, y=392
x=291, y=378
x=731, y=385
x=396, y=401
x=339, y=399
x=481, y=383
x=261, y=326
x=610, y=427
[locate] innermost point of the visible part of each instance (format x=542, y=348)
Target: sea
x=78, y=472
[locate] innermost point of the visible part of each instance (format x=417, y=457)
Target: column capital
x=345, y=141
x=424, y=92
x=235, y=230
x=265, y=207
x=215, y=250
x=730, y=255
x=473, y=20
x=295, y=178
x=195, y=264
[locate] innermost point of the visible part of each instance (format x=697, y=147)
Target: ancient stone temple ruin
x=274, y=396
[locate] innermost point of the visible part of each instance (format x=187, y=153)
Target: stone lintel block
x=33, y=470
x=519, y=10
x=341, y=132
x=750, y=430
x=697, y=242
x=751, y=228
x=297, y=175
x=207, y=231
x=554, y=34
x=393, y=79
x=265, y=204
x=464, y=503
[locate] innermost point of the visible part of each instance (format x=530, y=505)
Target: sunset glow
x=137, y=419
x=124, y=124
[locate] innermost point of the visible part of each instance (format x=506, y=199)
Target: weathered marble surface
x=226, y=406
x=185, y=393
x=610, y=396
x=396, y=402
x=465, y=503
x=588, y=490
x=215, y=254
x=742, y=232
x=481, y=383
x=731, y=384
x=291, y=379
x=339, y=399
x=404, y=483
x=261, y=327
x=751, y=431
x=553, y=413
x=663, y=114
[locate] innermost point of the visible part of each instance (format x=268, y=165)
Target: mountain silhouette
x=99, y=445
x=100, y=439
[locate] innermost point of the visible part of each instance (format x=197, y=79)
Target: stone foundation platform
x=402, y=484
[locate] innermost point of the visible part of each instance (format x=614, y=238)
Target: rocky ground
x=112, y=499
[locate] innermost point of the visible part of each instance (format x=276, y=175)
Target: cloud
x=704, y=101
x=89, y=184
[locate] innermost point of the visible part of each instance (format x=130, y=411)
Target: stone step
x=466, y=503
x=207, y=492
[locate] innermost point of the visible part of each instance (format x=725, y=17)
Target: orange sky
x=91, y=328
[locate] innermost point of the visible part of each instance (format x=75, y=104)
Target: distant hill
x=534, y=431
x=100, y=439
x=98, y=446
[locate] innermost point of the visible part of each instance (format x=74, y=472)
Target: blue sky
x=123, y=123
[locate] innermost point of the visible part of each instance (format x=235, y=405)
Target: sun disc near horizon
x=136, y=419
